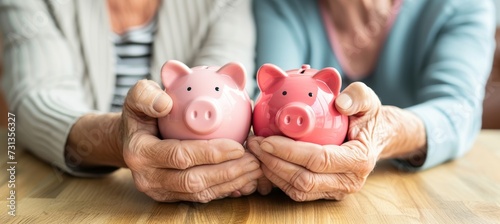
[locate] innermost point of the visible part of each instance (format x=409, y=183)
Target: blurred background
x=491, y=106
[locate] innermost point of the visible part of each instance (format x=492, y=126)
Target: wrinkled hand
x=173, y=170
x=307, y=171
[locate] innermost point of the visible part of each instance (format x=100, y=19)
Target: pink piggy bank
x=299, y=104
x=208, y=102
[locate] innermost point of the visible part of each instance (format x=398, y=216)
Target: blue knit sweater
x=435, y=61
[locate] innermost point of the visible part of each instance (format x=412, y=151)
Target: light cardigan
x=59, y=59
x=434, y=63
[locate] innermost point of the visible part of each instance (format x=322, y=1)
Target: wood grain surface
x=466, y=190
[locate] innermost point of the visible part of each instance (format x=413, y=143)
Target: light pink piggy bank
x=299, y=104
x=208, y=102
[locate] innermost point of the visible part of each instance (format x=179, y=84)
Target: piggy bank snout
x=203, y=115
x=295, y=120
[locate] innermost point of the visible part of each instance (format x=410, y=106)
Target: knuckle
x=352, y=184
x=136, y=91
x=320, y=162
x=204, y=196
x=214, y=155
x=230, y=174
x=359, y=88
x=133, y=162
x=298, y=196
x=363, y=158
x=303, y=181
x=236, y=185
x=249, y=188
x=359, y=85
x=358, y=184
x=341, y=196
x=179, y=158
x=365, y=93
x=144, y=151
x=161, y=197
x=155, y=196
x=192, y=183
x=142, y=186
x=274, y=165
x=130, y=156
x=365, y=166
x=143, y=93
x=336, y=195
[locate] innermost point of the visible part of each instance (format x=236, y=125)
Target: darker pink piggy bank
x=208, y=102
x=299, y=104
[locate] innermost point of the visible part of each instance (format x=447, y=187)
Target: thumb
x=147, y=98
x=357, y=99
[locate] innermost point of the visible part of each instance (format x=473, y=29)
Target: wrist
x=407, y=137
x=95, y=140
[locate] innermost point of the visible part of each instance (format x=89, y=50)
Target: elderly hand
x=307, y=171
x=174, y=170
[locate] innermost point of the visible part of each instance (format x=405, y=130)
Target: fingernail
x=267, y=147
x=254, y=146
x=251, y=166
x=236, y=194
x=161, y=103
x=344, y=101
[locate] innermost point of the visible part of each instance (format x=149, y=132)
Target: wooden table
x=466, y=190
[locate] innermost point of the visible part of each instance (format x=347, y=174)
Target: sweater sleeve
x=41, y=86
x=231, y=37
x=452, y=85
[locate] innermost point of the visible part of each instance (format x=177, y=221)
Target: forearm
x=94, y=141
x=405, y=136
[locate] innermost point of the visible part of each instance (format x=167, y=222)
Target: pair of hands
x=204, y=170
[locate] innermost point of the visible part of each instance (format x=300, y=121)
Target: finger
x=307, y=181
x=298, y=195
x=249, y=188
x=207, y=195
x=352, y=156
x=357, y=99
x=149, y=151
x=245, y=190
x=264, y=185
x=147, y=98
x=253, y=144
x=199, y=178
x=235, y=194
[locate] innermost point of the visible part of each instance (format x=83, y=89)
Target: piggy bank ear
x=171, y=71
x=331, y=78
x=236, y=71
x=268, y=75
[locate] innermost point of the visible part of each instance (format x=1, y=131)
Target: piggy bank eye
x=189, y=88
x=310, y=94
x=217, y=89
x=284, y=93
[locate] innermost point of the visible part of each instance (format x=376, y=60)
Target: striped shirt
x=133, y=58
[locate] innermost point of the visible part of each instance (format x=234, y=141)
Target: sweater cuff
x=439, y=137
x=44, y=123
